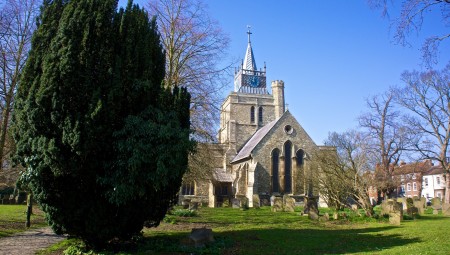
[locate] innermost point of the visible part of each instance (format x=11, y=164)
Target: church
x=261, y=150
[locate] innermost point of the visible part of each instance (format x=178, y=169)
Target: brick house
x=408, y=178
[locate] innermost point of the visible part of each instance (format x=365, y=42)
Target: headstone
x=264, y=201
x=436, y=201
x=419, y=205
x=396, y=213
x=403, y=201
x=201, y=236
x=409, y=203
x=310, y=204
x=235, y=203
x=289, y=204
x=412, y=211
x=185, y=203
x=336, y=216
x=272, y=200
x=277, y=204
x=354, y=207
x=256, y=202
x=193, y=205
x=436, y=212
x=313, y=215
x=326, y=217
x=446, y=209
x=226, y=203
x=415, y=198
x=243, y=203
x=424, y=202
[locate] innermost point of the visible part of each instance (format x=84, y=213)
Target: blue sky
x=331, y=55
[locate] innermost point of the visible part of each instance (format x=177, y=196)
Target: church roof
x=249, y=60
x=221, y=175
x=248, y=148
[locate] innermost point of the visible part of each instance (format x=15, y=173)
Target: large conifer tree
x=104, y=144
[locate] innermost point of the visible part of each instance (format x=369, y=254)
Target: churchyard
x=264, y=231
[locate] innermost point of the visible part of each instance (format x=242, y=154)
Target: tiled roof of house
x=417, y=167
x=434, y=170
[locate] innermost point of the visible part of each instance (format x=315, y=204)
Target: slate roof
x=221, y=175
x=248, y=148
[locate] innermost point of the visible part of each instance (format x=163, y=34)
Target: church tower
x=250, y=106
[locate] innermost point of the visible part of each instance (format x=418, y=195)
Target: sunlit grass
x=13, y=218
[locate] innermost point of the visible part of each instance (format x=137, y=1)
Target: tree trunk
x=29, y=209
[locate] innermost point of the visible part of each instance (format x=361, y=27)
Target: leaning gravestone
x=256, y=202
x=277, y=204
x=289, y=204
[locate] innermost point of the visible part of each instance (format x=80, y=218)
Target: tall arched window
x=287, y=167
x=260, y=114
x=252, y=114
x=299, y=155
x=275, y=165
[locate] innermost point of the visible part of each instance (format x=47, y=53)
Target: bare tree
x=388, y=138
x=410, y=20
x=17, y=24
x=195, y=46
x=426, y=97
x=344, y=173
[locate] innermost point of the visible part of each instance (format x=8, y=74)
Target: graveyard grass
x=13, y=218
x=260, y=231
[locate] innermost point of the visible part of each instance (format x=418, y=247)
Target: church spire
x=249, y=60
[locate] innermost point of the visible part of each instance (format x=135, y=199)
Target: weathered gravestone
x=200, y=236
x=313, y=215
x=446, y=209
x=424, y=201
x=326, y=217
x=289, y=204
x=256, y=202
x=336, y=216
x=396, y=212
x=409, y=203
x=272, y=200
x=311, y=208
x=277, y=204
x=403, y=201
x=243, y=203
x=436, y=203
x=412, y=211
x=419, y=204
x=354, y=207
x=193, y=205
x=235, y=203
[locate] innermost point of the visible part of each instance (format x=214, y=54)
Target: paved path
x=29, y=242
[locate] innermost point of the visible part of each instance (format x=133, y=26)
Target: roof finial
x=248, y=32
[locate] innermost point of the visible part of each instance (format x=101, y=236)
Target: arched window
x=299, y=155
x=252, y=114
x=287, y=167
x=260, y=114
x=275, y=165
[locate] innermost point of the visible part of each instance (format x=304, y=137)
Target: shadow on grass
x=282, y=241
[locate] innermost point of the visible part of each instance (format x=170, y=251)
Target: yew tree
x=104, y=144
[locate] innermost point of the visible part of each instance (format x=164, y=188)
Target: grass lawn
x=259, y=231
x=13, y=218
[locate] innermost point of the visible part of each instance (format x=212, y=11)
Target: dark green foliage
x=104, y=144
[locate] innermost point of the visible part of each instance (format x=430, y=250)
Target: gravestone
x=326, y=217
x=436, y=202
x=424, y=201
x=277, y=204
x=193, y=205
x=412, y=211
x=403, y=201
x=289, y=204
x=235, y=203
x=446, y=209
x=185, y=203
x=396, y=213
x=200, y=236
x=336, y=216
x=256, y=202
x=435, y=211
x=310, y=204
x=272, y=200
x=313, y=215
x=419, y=204
x=409, y=203
x=243, y=203
x=354, y=207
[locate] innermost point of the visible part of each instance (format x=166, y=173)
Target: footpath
x=29, y=242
